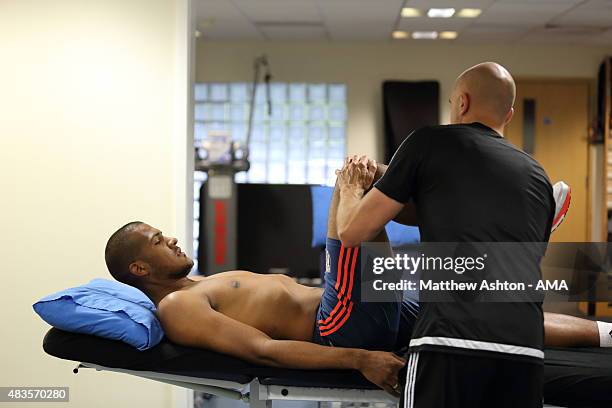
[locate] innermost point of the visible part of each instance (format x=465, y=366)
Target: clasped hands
x=357, y=173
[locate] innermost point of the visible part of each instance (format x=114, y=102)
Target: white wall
x=93, y=119
x=363, y=67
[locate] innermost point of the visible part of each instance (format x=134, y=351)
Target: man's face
x=162, y=254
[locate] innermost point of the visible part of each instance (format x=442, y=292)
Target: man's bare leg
x=569, y=331
x=332, y=228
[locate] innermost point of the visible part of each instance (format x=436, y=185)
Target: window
x=302, y=141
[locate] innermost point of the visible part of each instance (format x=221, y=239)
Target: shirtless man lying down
x=270, y=319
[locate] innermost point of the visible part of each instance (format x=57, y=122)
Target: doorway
x=551, y=123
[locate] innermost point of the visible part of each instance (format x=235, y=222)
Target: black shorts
x=343, y=320
x=448, y=380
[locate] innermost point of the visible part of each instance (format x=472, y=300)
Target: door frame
x=182, y=135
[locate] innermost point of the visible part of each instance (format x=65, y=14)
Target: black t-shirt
x=471, y=185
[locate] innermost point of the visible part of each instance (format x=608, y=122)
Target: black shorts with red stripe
x=343, y=320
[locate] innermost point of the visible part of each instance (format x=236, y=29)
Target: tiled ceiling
x=571, y=22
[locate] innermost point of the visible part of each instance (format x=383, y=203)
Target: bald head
x=483, y=93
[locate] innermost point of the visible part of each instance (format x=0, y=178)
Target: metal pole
x=253, y=95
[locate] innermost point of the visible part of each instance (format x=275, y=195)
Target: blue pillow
x=321, y=198
x=104, y=308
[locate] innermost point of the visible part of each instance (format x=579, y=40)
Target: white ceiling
x=571, y=22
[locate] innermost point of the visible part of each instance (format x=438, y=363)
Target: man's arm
x=191, y=321
x=361, y=218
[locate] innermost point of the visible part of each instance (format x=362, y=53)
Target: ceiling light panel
x=458, y=4
x=425, y=35
x=440, y=12
x=447, y=35
x=400, y=35
x=408, y=12
x=469, y=13
x=434, y=24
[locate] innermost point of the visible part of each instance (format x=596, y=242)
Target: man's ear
x=509, y=116
x=139, y=268
x=464, y=103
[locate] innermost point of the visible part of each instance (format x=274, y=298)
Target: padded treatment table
x=573, y=377
x=213, y=373
x=578, y=377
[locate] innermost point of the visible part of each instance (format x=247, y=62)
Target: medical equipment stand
x=222, y=158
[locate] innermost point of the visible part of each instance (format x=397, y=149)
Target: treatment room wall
x=363, y=67
x=88, y=121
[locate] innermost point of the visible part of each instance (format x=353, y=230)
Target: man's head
x=137, y=254
x=484, y=93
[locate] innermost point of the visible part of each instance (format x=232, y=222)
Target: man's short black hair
x=122, y=249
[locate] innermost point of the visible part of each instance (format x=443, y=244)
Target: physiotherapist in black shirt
x=464, y=183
